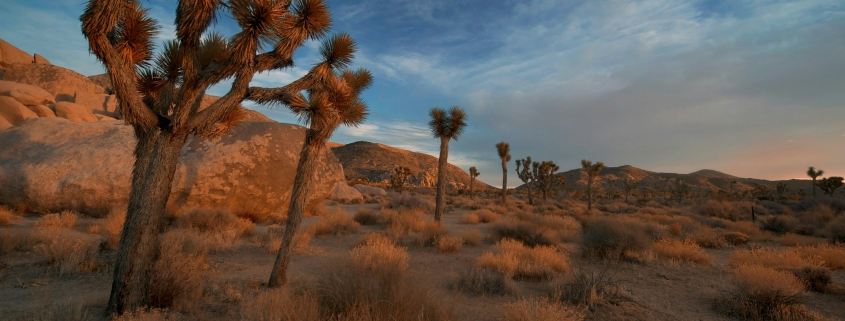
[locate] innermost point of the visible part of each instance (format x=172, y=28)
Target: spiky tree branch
x=592, y=171
x=526, y=175
x=399, y=177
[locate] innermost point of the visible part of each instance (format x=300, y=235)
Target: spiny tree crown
x=473, y=172
x=812, y=172
x=447, y=123
x=593, y=170
x=525, y=173
x=504, y=150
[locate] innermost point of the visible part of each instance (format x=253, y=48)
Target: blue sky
x=750, y=88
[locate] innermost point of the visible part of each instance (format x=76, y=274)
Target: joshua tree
x=781, y=189
x=473, y=173
x=398, y=178
x=812, y=172
x=526, y=175
x=446, y=125
x=629, y=185
x=504, y=150
x=593, y=171
x=159, y=97
x=680, y=189
x=830, y=184
x=545, y=175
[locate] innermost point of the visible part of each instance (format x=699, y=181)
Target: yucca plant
x=398, y=178
x=830, y=184
x=526, y=176
x=504, y=150
x=547, y=180
x=446, y=125
x=813, y=173
x=473, y=173
x=160, y=96
x=592, y=171
x=629, y=185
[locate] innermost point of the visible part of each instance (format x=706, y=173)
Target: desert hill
x=376, y=161
x=702, y=180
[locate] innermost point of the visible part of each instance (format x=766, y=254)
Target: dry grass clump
x=790, y=239
x=745, y=227
x=762, y=293
x=587, y=288
x=216, y=221
x=69, y=251
x=527, y=232
x=611, y=238
x=271, y=240
x=7, y=215
x=734, y=211
x=832, y=256
x=471, y=236
x=335, y=222
x=20, y=240
x=515, y=260
x=486, y=216
x=280, y=305
x=400, y=223
x=735, y=238
x=64, y=219
x=374, y=283
x=484, y=282
x=682, y=250
x=366, y=216
x=111, y=227
x=148, y=315
x=179, y=271
x=835, y=230
x=449, y=243
x=709, y=238
x=780, y=259
x=470, y=218
x=412, y=202
x=539, y=309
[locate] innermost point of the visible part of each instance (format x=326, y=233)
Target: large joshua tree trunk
x=156, y=159
x=504, y=181
x=441, y=178
x=814, y=187
x=589, y=193
x=303, y=181
x=471, y=180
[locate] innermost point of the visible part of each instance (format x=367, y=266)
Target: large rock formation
x=63, y=84
x=51, y=164
x=376, y=161
x=10, y=54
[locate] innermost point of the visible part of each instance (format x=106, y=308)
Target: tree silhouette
x=526, y=175
x=473, y=173
x=446, y=125
x=592, y=171
x=629, y=185
x=546, y=179
x=830, y=184
x=504, y=150
x=398, y=178
x=812, y=172
x=781, y=190
x=160, y=96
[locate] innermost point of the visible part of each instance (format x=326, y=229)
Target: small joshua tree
x=159, y=96
x=592, y=171
x=680, y=189
x=547, y=181
x=473, y=173
x=526, y=175
x=629, y=185
x=398, y=178
x=781, y=190
x=830, y=184
x=813, y=173
x=446, y=125
x=504, y=150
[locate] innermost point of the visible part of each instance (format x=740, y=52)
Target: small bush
x=335, y=222
x=366, y=216
x=830, y=256
x=148, y=315
x=537, y=309
x=735, y=238
x=470, y=236
x=65, y=219
x=271, y=241
x=685, y=250
x=111, y=227
x=7, y=216
x=400, y=223
x=526, y=232
x=412, y=202
x=281, y=305
x=762, y=293
x=470, y=218
x=481, y=281
x=709, y=238
x=69, y=251
x=734, y=211
x=21, y=240
x=449, y=243
x=612, y=238
x=587, y=288
x=178, y=273
x=835, y=230
x=790, y=239
x=216, y=221
x=814, y=278
x=486, y=216
x=779, y=259
x=514, y=259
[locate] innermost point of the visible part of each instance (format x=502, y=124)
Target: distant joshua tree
x=446, y=125
x=781, y=190
x=526, y=175
x=546, y=178
x=504, y=150
x=159, y=96
x=473, y=173
x=629, y=185
x=812, y=172
x=830, y=184
x=398, y=178
x=680, y=189
x=593, y=171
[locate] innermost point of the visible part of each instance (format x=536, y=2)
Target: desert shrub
x=498, y=209
x=373, y=283
x=271, y=240
x=470, y=218
x=428, y=234
x=64, y=219
x=780, y=224
x=709, y=238
x=686, y=224
x=148, y=315
x=482, y=281
x=526, y=232
x=449, y=243
x=735, y=238
x=587, y=288
x=830, y=256
x=486, y=216
x=111, y=226
x=734, y=211
x=216, y=221
x=178, y=272
x=816, y=216
x=21, y=240
x=780, y=259
x=745, y=227
x=375, y=238
x=470, y=236
x=682, y=250
x=404, y=222
x=7, y=215
x=408, y=201
x=67, y=250
x=514, y=259
x=282, y=305
x=539, y=309
x=366, y=216
x=334, y=222
x=815, y=278
x=790, y=239
x=612, y=238
x=835, y=230
x=762, y=293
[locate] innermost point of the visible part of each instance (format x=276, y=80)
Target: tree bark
x=530, y=197
x=471, y=180
x=299, y=199
x=504, y=181
x=589, y=193
x=156, y=159
x=814, y=187
x=441, y=178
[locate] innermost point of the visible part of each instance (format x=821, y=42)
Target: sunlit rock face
x=51, y=164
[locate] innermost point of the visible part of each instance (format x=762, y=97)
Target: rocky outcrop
x=13, y=111
x=26, y=94
x=42, y=111
x=74, y=112
x=40, y=59
x=50, y=164
x=10, y=54
x=372, y=190
x=344, y=192
x=63, y=84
